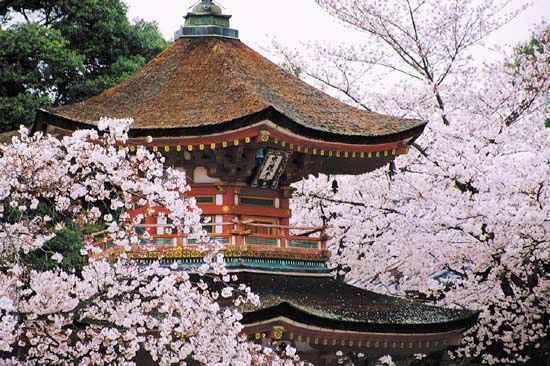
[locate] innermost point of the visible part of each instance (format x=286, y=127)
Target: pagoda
x=244, y=130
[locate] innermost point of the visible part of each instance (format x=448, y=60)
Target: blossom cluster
x=464, y=219
x=108, y=311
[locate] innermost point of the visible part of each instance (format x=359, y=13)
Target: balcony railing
x=242, y=236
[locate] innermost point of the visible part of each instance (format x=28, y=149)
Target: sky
x=294, y=21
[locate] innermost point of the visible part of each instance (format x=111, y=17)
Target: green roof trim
x=206, y=20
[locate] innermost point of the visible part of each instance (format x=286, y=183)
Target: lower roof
x=330, y=303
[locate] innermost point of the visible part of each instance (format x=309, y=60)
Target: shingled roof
x=327, y=302
x=211, y=82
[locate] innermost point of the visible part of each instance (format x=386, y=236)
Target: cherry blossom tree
x=464, y=219
x=108, y=312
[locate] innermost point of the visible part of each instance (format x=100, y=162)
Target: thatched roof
x=208, y=82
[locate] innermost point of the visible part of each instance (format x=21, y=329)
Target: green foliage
x=33, y=60
x=68, y=242
x=92, y=229
x=532, y=46
x=20, y=109
x=146, y=39
x=93, y=85
x=63, y=51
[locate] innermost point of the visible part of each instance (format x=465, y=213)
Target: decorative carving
x=232, y=252
x=278, y=332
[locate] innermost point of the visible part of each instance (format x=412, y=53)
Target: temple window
x=258, y=201
x=303, y=243
x=205, y=200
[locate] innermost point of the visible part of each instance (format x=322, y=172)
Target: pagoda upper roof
x=212, y=84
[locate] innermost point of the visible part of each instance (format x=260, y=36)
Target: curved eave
x=48, y=118
x=296, y=314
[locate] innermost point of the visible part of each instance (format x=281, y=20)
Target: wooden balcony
x=240, y=240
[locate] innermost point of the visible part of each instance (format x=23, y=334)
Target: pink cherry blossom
x=111, y=309
x=463, y=220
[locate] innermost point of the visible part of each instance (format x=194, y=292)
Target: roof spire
x=206, y=4
x=207, y=20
